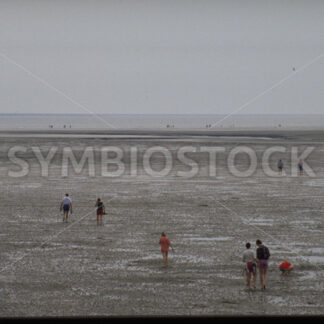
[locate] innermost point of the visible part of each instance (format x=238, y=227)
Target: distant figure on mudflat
x=280, y=166
x=66, y=207
x=301, y=167
x=165, y=245
x=100, y=211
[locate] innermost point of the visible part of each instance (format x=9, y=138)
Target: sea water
x=158, y=121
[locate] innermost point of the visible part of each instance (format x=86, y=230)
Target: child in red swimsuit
x=285, y=267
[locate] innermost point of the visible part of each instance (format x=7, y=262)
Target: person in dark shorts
x=280, y=166
x=250, y=266
x=301, y=167
x=263, y=255
x=66, y=207
x=100, y=211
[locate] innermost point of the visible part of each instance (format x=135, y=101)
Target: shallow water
x=157, y=121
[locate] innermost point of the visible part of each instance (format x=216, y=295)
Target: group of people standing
x=300, y=165
x=260, y=261
x=252, y=262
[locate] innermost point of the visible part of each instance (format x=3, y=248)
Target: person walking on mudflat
x=165, y=245
x=250, y=266
x=280, y=166
x=263, y=255
x=301, y=167
x=100, y=211
x=66, y=207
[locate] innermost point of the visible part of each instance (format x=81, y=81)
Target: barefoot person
x=66, y=207
x=100, y=211
x=165, y=244
x=263, y=255
x=285, y=267
x=250, y=266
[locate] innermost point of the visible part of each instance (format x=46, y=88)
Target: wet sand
x=301, y=133
x=51, y=269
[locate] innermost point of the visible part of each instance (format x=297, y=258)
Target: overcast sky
x=166, y=56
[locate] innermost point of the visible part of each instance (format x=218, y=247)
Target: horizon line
x=159, y=114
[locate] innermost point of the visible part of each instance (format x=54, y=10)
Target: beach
x=49, y=268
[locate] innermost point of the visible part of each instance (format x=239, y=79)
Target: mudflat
x=51, y=268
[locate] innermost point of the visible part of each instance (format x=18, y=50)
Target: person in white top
x=250, y=266
x=66, y=207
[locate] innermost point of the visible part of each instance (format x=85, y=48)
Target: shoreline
x=313, y=134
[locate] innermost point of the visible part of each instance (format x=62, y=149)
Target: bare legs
x=165, y=258
x=65, y=216
x=263, y=277
x=248, y=280
x=99, y=219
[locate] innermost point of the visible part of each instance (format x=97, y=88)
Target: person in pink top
x=165, y=245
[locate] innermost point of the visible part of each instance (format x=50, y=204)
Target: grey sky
x=162, y=56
